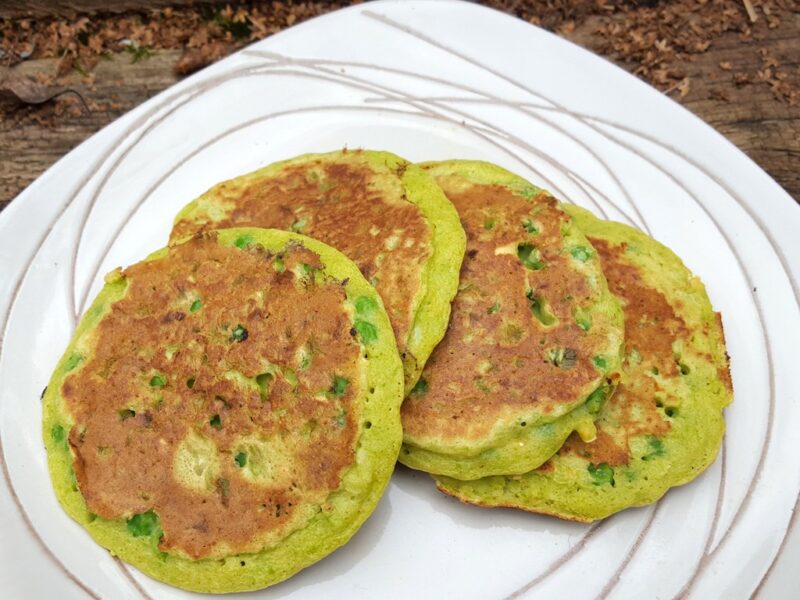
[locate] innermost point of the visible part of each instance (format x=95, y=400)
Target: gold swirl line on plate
x=770, y=417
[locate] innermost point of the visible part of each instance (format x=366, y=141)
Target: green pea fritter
x=385, y=214
x=665, y=423
x=227, y=412
x=534, y=343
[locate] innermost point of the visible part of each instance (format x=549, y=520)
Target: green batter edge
x=362, y=484
x=439, y=280
x=569, y=491
x=514, y=449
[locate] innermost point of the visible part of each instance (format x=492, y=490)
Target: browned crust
x=724, y=371
x=496, y=354
x=339, y=204
x=127, y=429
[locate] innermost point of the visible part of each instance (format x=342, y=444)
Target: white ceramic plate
x=430, y=80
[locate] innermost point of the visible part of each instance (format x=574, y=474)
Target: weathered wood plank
x=767, y=129
x=69, y=8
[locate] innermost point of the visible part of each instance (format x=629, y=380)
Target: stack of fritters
x=519, y=404
x=229, y=410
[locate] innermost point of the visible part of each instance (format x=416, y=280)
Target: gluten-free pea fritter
x=228, y=410
x=664, y=425
x=533, y=349
x=385, y=214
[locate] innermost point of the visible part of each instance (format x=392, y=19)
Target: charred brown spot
x=173, y=315
x=125, y=466
x=477, y=336
x=342, y=206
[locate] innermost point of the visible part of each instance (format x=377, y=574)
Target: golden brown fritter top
x=220, y=393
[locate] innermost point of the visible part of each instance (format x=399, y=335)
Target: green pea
x=580, y=253
x=365, y=305
x=421, y=387
x=73, y=361
x=263, y=380
x=57, y=433
x=530, y=256
x=540, y=309
x=190, y=382
x=656, y=448
x=240, y=459
x=493, y=308
x=366, y=331
x=243, y=241
x=143, y=524
x=600, y=362
x=530, y=226
x=489, y=224
x=482, y=386
x=278, y=265
x=299, y=225
x=601, y=474
x=158, y=380
x=126, y=413
x=527, y=191
x=215, y=422
x=239, y=334
x=339, y=387
x=596, y=400
x=196, y=305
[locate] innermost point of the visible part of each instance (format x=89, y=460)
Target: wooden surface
x=45, y=8
x=750, y=115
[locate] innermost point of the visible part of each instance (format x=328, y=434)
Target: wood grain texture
x=747, y=113
x=68, y=8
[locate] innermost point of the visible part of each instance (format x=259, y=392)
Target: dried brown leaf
x=18, y=90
